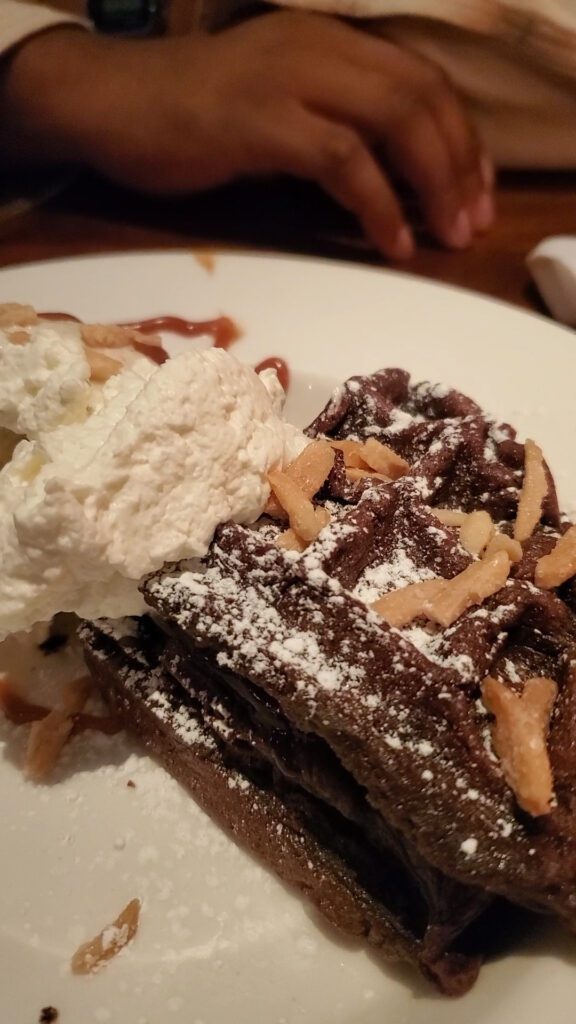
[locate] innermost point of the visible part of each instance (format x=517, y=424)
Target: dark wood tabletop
x=89, y=216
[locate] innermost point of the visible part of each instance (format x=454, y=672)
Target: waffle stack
x=380, y=707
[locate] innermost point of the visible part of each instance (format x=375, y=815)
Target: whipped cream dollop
x=112, y=481
x=44, y=382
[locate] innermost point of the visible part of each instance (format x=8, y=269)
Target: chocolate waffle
x=371, y=755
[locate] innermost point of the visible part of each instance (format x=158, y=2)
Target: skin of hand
x=301, y=94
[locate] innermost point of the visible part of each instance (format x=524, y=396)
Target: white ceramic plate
x=221, y=941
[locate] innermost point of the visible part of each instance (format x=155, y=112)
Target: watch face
x=139, y=17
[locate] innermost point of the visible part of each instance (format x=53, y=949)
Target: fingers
x=349, y=98
x=337, y=158
x=427, y=147
x=419, y=152
x=472, y=168
x=427, y=84
x=406, y=108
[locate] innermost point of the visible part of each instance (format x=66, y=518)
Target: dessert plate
x=220, y=940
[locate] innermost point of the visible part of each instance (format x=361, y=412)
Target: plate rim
x=255, y=256
x=276, y=255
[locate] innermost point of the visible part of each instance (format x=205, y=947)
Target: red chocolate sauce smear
x=60, y=316
x=281, y=367
x=222, y=329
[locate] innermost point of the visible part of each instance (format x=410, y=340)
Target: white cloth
x=20, y=20
x=512, y=61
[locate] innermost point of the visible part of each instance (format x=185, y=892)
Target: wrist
x=50, y=93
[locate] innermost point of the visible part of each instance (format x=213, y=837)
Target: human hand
x=285, y=93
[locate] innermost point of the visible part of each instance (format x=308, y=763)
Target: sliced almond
x=300, y=510
x=14, y=314
x=309, y=470
x=450, y=516
x=476, y=531
x=273, y=508
x=102, y=367
x=444, y=601
x=18, y=337
x=290, y=541
x=356, y=474
x=92, y=955
x=206, y=259
x=479, y=581
x=534, y=490
x=322, y=517
x=520, y=736
x=115, y=336
x=147, y=339
x=49, y=735
x=501, y=542
x=311, y=467
x=401, y=606
x=47, y=739
x=560, y=564
x=383, y=459
x=352, y=452
x=354, y=460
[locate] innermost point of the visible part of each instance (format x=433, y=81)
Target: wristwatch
x=127, y=17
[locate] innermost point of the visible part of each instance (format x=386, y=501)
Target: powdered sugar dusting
x=379, y=578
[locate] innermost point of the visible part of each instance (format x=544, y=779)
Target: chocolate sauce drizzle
x=222, y=329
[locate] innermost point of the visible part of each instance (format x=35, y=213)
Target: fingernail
x=487, y=172
x=482, y=212
x=460, y=234
x=404, y=244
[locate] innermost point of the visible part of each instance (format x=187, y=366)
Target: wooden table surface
x=90, y=216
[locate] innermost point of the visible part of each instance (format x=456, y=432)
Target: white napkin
x=552, y=265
